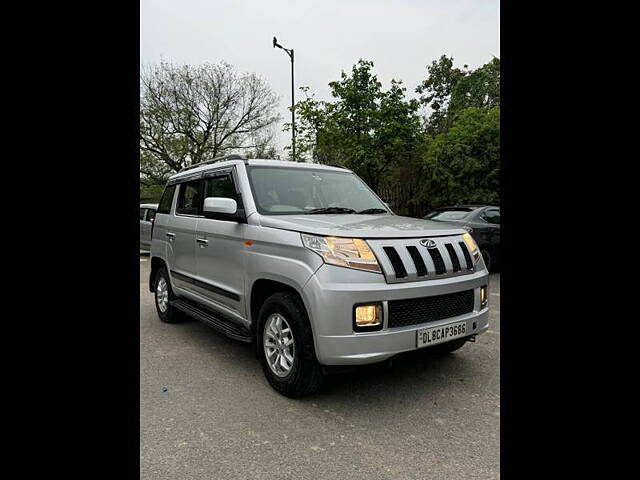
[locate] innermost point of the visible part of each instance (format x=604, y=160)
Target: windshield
x=287, y=191
x=448, y=215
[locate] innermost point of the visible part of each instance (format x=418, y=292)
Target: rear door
x=162, y=223
x=181, y=234
x=220, y=248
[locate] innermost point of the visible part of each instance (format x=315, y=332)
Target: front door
x=220, y=250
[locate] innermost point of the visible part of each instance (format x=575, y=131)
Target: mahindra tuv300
x=308, y=264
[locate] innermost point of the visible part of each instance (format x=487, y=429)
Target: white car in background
x=147, y=215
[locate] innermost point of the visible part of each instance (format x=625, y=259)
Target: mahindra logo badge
x=427, y=242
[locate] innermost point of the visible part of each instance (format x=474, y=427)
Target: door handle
x=170, y=236
x=203, y=242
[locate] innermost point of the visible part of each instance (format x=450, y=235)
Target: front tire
x=163, y=297
x=285, y=346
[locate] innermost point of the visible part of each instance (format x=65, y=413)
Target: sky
x=401, y=37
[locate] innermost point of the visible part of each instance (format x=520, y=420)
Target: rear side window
x=190, y=198
x=142, y=213
x=167, y=198
x=151, y=213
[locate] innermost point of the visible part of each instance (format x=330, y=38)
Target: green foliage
x=150, y=193
x=366, y=129
x=448, y=91
x=450, y=156
x=462, y=165
x=311, y=117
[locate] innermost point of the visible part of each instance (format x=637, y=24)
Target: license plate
x=444, y=333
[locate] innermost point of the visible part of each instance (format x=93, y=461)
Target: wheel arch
x=262, y=288
x=156, y=264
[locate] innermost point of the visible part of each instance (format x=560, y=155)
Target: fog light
x=368, y=317
x=484, y=298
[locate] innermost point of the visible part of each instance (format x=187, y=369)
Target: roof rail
x=213, y=160
x=336, y=165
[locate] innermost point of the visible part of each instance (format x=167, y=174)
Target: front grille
x=396, y=262
x=437, y=260
x=454, y=257
x=403, y=313
x=467, y=257
x=408, y=260
x=421, y=268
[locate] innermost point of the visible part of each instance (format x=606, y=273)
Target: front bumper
x=333, y=291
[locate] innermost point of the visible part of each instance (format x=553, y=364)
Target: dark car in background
x=482, y=221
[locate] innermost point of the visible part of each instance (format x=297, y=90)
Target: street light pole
x=293, y=114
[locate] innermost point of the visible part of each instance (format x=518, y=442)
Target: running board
x=218, y=322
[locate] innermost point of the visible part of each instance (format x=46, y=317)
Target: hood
x=360, y=226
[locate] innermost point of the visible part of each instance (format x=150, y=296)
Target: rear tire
x=284, y=343
x=164, y=296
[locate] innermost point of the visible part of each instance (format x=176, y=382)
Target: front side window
x=167, y=198
x=290, y=191
x=190, y=199
x=222, y=186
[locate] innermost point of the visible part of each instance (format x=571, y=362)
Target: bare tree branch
x=189, y=114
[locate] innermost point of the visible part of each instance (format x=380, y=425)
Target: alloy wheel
x=162, y=294
x=279, y=347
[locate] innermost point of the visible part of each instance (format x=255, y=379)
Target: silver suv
x=308, y=264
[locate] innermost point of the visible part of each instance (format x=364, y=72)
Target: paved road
x=426, y=418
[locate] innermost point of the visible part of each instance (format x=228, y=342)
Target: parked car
x=147, y=214
x=482, y=221
x=308, y=264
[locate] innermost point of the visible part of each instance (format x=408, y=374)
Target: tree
x=452, y=156
x=365, y=128
x=191, y=114
x=266, y=151
x=447, y=91
x=461, y=147
x=462, y=165
x=312, y=115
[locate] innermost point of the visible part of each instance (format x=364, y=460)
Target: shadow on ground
x=408, y=379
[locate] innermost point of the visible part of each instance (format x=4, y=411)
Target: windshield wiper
x=331, y=210
x=372, y=210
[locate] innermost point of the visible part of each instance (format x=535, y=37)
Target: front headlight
x=473, y=247
x=345, y=252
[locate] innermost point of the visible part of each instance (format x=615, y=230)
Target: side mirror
x=221, y=208
x=220, y=205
